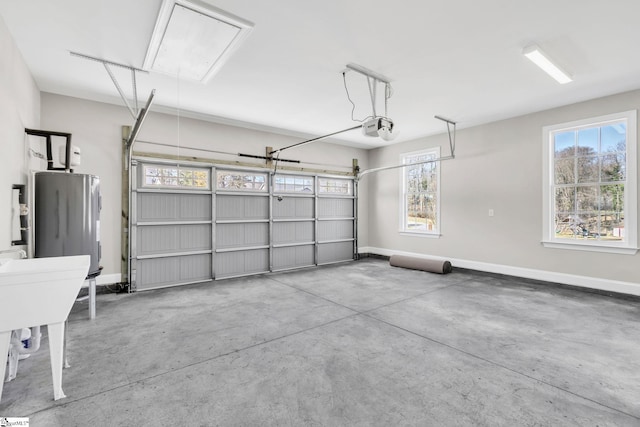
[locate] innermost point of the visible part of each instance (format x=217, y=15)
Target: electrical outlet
x=490, y=212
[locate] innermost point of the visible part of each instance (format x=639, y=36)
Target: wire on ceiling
x=388, y=93
x=353, y=105
x=372, y=84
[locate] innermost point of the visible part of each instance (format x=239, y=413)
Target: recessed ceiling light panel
x=538, y=57
x=192, y=40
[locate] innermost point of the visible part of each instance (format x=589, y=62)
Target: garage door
x=192, y=223
x=172, y=228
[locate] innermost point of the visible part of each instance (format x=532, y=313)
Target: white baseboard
x=527, y=273
x=108, y=279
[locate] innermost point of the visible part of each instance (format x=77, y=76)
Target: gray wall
x=96, y=129
x=19, y=108
x=498, y=166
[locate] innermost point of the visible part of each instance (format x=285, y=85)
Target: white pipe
x=16, y=349
x=20, y=252
x=34, y=342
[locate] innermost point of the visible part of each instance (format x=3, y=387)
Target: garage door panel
x=335, y=208
x=230, y=207
x=335, y=230
x=161, y=272
x=195, y=207
x=173, y=238
x=242, y=235
x=335, y=252
x=173, y=207
x=292, y=232
x=293, y=208
x=293, y=257
x=238, y=263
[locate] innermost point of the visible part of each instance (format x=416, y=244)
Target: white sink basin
x=39, y=291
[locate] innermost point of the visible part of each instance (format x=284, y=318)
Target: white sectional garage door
x=237, y=223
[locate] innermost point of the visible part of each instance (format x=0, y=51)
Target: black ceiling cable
x=314, y=139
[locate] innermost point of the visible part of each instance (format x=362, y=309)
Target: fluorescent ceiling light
x=192, y=40
x=538, y=57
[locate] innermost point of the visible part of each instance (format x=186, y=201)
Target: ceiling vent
x=192, y=40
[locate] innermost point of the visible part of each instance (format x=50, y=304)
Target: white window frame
x=404, y=229
x=178, y=170
x=335, y=186
x=263, y=175
x=630, y=244
x=293, y=184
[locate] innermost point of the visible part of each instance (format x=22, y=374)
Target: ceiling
x=460, y=59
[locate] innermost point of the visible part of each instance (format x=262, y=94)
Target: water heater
x=67, y=216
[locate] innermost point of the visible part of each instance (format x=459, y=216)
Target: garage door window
x=241, y=181
x=335, y=186
x=293, y=184
x=175, y=177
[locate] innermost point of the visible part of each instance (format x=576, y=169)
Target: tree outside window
x=421, y=192
x=589, y=182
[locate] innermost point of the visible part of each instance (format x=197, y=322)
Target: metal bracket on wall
x=22, y=214
x=452, y=139
x=47, y=135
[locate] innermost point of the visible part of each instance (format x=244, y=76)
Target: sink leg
x=65, y=363
x=56, y=340
x=14, y=352
x=5, y=337
x=92, y=298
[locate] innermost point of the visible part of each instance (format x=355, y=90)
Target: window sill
x=420, y=234
x=625, y=250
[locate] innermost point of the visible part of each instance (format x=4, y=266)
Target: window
x=175, y=177
x=590, y=184
x=335, y=186
x=293, y=184
x=421, y=192
x=241, y=181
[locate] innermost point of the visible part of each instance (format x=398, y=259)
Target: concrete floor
x=356, y=344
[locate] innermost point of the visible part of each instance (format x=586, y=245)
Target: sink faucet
x=20, y=252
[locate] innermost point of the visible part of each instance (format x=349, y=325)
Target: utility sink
x=39, y=291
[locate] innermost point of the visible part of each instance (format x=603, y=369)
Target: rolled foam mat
x=424, y=264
